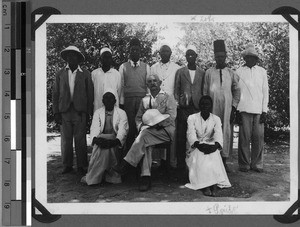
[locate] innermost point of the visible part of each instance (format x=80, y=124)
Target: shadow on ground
x=271, y=185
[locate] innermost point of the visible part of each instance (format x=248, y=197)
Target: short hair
x=165, y=46
x=206, y=97
x=108, y=93
x=155, y=75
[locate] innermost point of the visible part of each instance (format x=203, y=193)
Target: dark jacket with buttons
x=83, y=97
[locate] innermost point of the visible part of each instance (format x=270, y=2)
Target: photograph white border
x=161, y=208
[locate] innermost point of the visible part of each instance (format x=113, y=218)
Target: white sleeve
x=218, y=135
x=122, y=84
x=265, y=88
x=191, y=130
x=122, y=127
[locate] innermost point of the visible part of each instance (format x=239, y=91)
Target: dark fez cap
x=219, y=46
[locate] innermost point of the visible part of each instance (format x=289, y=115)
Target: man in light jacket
x=108, y=134
x=253, y=106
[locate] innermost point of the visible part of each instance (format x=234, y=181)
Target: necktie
x=221, y=76
x=135, y=63
x=150, y=104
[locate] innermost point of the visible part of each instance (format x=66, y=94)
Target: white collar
x=132, y=63
x=166, y=64
x=160, y=92
x=202, y=117
x=78, y=68
x=109, y=71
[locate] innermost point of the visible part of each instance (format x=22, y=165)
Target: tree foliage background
x=90, y=38
x=271, y=40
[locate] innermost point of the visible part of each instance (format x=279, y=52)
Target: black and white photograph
x=165, y=114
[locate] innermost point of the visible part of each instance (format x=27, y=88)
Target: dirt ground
x=271, y=185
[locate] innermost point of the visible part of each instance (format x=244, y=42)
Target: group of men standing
x=172, y=90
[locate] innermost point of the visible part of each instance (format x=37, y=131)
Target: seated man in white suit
x=108, y=133
x=157, y=133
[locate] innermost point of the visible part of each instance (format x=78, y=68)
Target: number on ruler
x=7, y=160
x=6, y=139
x=6, y=93
x=7, y=72
x=7, y=184
x=7, y=205
x=6, y=116
x=6, y=49
x=4, y=10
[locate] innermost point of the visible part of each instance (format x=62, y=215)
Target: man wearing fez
x=157, y=110
x=221, y=84
x=166, y=71
x=252, y=107
x=133, y=86
x=73, y=95
x=108, y=134
x=105, y=78
x=187, y=92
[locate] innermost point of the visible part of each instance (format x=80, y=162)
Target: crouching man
x=108, y=134
x=156, y=121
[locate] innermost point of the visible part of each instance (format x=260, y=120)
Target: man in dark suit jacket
x=73, y=97
x=187, y=92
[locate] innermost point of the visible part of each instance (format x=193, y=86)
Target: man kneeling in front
x=156, y=122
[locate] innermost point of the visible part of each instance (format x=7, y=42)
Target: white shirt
x=254, y=87
x=192, y=75
x=166, y=73
x=104, y=81
x=149, y=98
x=122, y=76
x=72, y=77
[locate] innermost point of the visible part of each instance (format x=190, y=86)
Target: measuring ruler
x=14, y=114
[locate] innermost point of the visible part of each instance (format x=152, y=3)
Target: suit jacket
x=83, y=96
x=120, y=123
x=184, y=88
x=166, y=104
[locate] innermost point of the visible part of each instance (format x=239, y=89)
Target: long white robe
x=205, y=170
x=224, y=96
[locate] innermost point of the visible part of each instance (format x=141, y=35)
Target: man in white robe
x=221, y=84
x=204, y=134
x=105, y=78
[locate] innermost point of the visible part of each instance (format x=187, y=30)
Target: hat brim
x=161, y=118
x=244, y=54
x=64, y=54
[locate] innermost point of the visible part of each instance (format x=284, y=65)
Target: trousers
x=141, y=148
x=131, y=107
x=251, y=141
x=74, y=126
x=182, y=116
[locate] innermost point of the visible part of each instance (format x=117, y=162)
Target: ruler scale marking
x=6, y=143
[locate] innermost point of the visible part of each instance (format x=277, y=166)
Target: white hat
x=104, y=49
x=250, y=51
x=191, y=47
x=153, y=116
x=109, y=90
x=65, y=52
